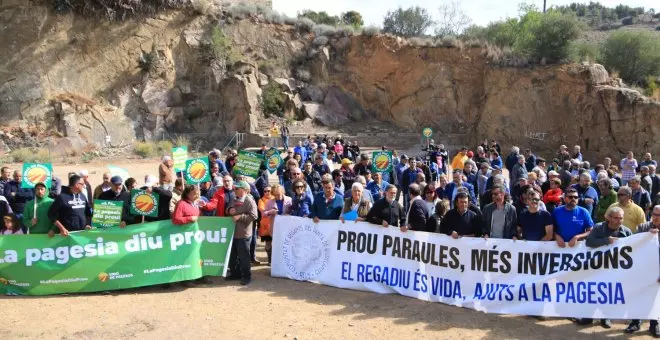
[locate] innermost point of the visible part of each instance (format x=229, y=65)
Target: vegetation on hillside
x=114, y=9
x=597, y=15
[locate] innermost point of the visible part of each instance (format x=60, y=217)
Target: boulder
x=324, y=115
x=156, y=97
x=284, y=84
x=312, y=93
x=343, y=104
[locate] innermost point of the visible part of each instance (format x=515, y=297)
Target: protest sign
x=494, y=276
x=197, y=171
x=102, y=260
x=107, y=214
x=144, y=203
x=273, y=160
x=248, y=164
x=427, y=133
x=179, y=157
x=34, y=173
x=381, y=161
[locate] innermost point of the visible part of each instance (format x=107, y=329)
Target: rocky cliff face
x=77, y=80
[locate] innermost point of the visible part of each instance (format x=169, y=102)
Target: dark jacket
x=510, y=220
x=72, y=210
x=20, y=196
x=418, y=215
x=384, y=211
x=164, y=197
x=408, y=177
x=511, y=160
x=313, y=180
x=466, y=224
x=125, y=197
x=600, y=234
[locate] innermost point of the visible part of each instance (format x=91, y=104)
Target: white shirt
x=542, y=176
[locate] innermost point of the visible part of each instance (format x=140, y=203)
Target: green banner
x=427, y=133
x=144, y=203
x=197, y=170
x=381, y=161
x=273, y=160
x=179, y=157
x=248, y=164
x=107, y=214
x=34, y=173
x=101, y=260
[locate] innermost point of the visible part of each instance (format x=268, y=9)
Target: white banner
x=618, y=281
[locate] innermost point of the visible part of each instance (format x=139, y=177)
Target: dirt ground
x=269, y=308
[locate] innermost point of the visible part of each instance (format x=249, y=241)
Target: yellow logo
x=144, y=203
x=382, y=161
x=4, y=281
x=36, y=175
x=103, y=277
x=197, y=170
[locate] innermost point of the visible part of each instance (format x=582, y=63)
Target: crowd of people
x=564, y=200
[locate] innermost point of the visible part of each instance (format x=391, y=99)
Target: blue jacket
x=450, y=194
x=530, y=163
x=398, y=170
x=497, y=161
x=301, y=205
x=302, y=151
x=583, y=193
x=376, y=189
x=20, y=197
x=327, y=211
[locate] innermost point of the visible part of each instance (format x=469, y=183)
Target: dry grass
x=73, y=99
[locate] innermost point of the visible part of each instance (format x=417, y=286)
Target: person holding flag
x=35, y=215
x=119, y=194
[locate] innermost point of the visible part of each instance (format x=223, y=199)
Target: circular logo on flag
x=36, y=173
x=103, y=277
x=306, y=252
x=4, y=281
x=197, y=170
x=427, y=132
x=274, y=161
x=144, y=202
x=382, y=161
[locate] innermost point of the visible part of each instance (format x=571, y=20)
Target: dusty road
x=268, y=309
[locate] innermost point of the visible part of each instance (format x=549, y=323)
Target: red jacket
x=183, y=213
x=553, y=196
x=218, y=203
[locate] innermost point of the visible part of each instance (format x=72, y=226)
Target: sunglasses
x=300, y=187
x=621, y=195
x=535, y=200
x=572, y=197
x=266, y=190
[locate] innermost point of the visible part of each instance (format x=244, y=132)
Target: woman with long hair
x=279, y=204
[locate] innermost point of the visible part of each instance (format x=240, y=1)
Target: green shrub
x=584, y=51
x=651, y=86
x=320, y=17
x=145, y=149
x=242, y=10
x=29, y=155
x=182, y=141
x=221, y=47
x=634, y=54
x=272, y=100
x=148, y=60
x=304, y=25
x=164, y=147
x=553, y=34
x=370, y=31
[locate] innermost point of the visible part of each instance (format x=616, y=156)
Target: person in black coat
x=387, y=211
x=119, y=194
x=461, y=221
x=418, y=213
x=17, y=196
x=71, y=211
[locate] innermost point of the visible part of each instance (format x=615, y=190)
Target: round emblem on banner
x=197, y=170
x=306, y=252
x=427, y=132
x=382, y=161
x=145, y=203
x=36, y=173
x=274, y=161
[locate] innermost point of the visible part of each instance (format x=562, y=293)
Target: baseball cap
x=150, y=180
x=242, y=185
x=470, y=154
x=83, y=173
x=116, y=180
x=404, y=156
x=346, y=161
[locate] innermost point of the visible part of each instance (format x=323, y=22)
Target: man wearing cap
x=119, y=194
x=39, y=223
x=459, y=160
x=243, y=210
x=348, y=174
x=71, y=211
x=165, y=173
x=103, y=187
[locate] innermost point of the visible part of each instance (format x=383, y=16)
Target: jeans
x=285, y=143
x=253, y=243
x=239, y=258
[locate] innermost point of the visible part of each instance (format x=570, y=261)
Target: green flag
x=179, y=157
x=34, y=173
x=248, y=164
x=381, y=161
x=107, y=214
x=197, y=171
x=273, y=160
x=427, y=132
x=144, y=203
x=101, y=260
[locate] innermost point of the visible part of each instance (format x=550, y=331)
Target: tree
x=352, y=18
x=553, y=35
x=634, y=54
x=452, y=20
x=414, y=21
x=320, y=17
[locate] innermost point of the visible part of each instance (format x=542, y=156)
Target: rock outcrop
x=79, y=80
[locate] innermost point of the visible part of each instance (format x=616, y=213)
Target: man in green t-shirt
x=39, y=224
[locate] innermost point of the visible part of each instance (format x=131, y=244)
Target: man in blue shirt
x=378, y=186
x=587, y=195
x=328, y=204
x=398, y=170
x=573, y=223
x=300, y=149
